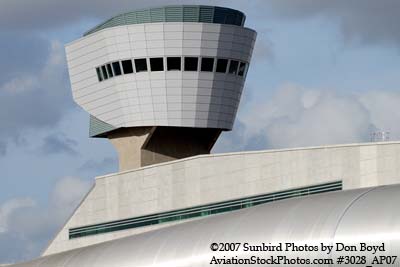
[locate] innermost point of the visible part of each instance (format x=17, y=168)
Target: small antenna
x=380, y=136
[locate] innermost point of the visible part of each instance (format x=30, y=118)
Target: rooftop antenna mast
x=380, y=136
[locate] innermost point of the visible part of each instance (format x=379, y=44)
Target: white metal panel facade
x=164, y=98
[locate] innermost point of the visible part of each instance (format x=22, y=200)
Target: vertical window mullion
x=99, y=75
x=104, y=71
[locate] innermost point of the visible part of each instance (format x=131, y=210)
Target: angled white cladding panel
x=214, y=178
x=167, y=98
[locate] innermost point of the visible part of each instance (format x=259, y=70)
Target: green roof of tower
x=177, y=13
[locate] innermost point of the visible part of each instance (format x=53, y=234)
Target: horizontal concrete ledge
x=252, y=153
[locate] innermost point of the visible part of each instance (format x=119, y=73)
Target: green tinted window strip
x=200, y=211
x=171, y=218
x=270, y=198
x=259, y=199
x=183, y=13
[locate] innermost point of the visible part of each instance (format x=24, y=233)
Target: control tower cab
x=162, y=83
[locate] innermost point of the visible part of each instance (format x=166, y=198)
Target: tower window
x=110, y=72
x=191, y=63
x=173, y=63
x=242, y=68
x=207, y=64
x=157, y=64
x=98, y=71
x=140, y=64
x=104, y=71
x=127, y=66
x=117, y=68
x=222, y=65
x=233, y=66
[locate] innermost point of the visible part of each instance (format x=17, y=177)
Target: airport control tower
x=162, y=83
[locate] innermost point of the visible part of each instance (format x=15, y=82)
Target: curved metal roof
x=181, y=13
x=364, y=215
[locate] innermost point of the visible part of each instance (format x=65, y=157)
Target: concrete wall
x=163, y=98
x=143, y=146
x=171, y=143
x=220, y=177
x=128, y=142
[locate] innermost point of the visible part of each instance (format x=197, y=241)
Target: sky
x=323, y=72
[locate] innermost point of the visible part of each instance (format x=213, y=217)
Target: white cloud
x=9, y=207
x=30, y=227
x=362, y=21
x=20, y=84
x=68, y=192
x=44, y=91
x=263, y=48
x=294, y=116
x=52, y=72
x=384, y=110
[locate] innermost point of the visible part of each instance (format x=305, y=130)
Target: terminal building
x=162, y=84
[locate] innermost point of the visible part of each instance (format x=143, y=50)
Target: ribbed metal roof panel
x=183, y=13
x=98, y=127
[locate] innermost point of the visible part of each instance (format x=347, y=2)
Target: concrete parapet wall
x=219, y=177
